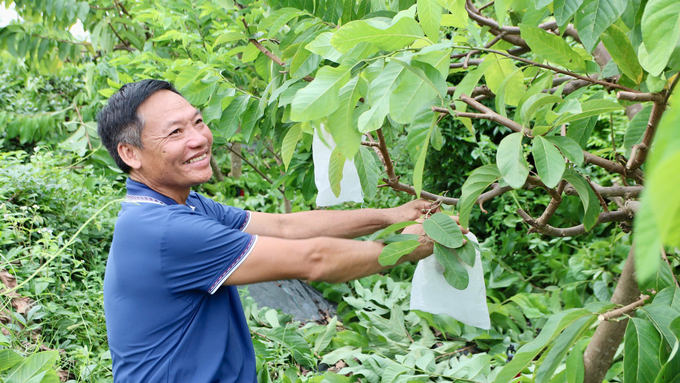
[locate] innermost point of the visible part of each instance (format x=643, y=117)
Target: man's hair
x=118, y=122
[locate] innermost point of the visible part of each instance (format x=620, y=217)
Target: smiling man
x=173, y=312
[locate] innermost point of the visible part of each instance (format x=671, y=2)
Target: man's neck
x=179, y=196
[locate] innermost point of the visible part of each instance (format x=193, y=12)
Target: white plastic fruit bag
x=431, y=293
x=350, y=186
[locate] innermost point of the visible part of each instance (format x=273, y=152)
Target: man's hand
x=411, y=211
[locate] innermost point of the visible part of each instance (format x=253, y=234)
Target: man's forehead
x=165, y=108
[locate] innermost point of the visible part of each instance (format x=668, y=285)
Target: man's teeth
x=196, y=159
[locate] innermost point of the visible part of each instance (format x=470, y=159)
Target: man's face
x=176, y=153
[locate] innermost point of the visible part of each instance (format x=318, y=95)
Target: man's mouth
x=199, y=158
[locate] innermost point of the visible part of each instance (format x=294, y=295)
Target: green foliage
x=354, y=67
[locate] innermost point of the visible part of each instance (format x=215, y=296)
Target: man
x=173, y=312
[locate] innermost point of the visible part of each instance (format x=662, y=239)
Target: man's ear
x=130, y=155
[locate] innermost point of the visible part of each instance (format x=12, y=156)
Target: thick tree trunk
x=236, y=162
x=608, y=336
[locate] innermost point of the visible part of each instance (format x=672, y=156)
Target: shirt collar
x=135, y=188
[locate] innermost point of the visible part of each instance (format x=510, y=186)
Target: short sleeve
x=199, y=253
x=229, y=216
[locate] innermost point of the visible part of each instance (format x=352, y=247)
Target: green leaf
x=455, y=273
x=322, y=47
x=430, y=16
x=335, y=170
x=669, y=296
x=551, y=47
x=533, y=104
x=324, y=339
x=475, y=184
x=379, y=93
x=443, y=229
x=526, y=354
x=231, y=116
x=564, y=10
x=501, y=74
x=400, y=238
x=636, y=127
x=368, y=171
x=619, y=46
x=591, y=108
x=661, y=317
x=392, y=228
x=591, y=206
x=250, y=118
x=419, y=166
x=549, y=161
x=510, y=160
x=289, y=143
x=641, y=352
x=595, y=17
x=467, y=253
x=416, y=88
x=341, y=122
x=569, y=148
x=660, y=33
x=575, y=368
x=321, y=97
x=581, y=130
x=562, y=344
x=31, y=366
x=228, y=37
x=385, y=37
x=394, y=251
x=503, y=89
x=8, y=359
x=304, y=62
x=278, y=19
x=501, y=10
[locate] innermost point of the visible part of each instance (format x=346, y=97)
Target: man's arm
x=333, y=223
x=318, y=259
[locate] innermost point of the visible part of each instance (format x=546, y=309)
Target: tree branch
x=614, y=216
x=626, y=192
x=550, y=210
x=638, y=154
x=658, y=97
x=623, y=310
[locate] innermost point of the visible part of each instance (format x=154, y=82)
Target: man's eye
x=199, y=121
x=176, y=131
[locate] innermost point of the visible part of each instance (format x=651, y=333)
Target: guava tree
x=548, y=73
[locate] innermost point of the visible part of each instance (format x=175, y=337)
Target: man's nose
x=196, y=138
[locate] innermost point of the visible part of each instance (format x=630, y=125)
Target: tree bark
x=216, y=168
x=600, y=352
x=236, y=163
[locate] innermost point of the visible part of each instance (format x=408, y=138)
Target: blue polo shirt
x=168, y=318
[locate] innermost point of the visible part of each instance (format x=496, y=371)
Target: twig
x=623, y=310
x=603, y=203
x=254, y=167
x=658, y=97
x=268, y=53
x=371, y=144
x=626, y=192
x=485, y=6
